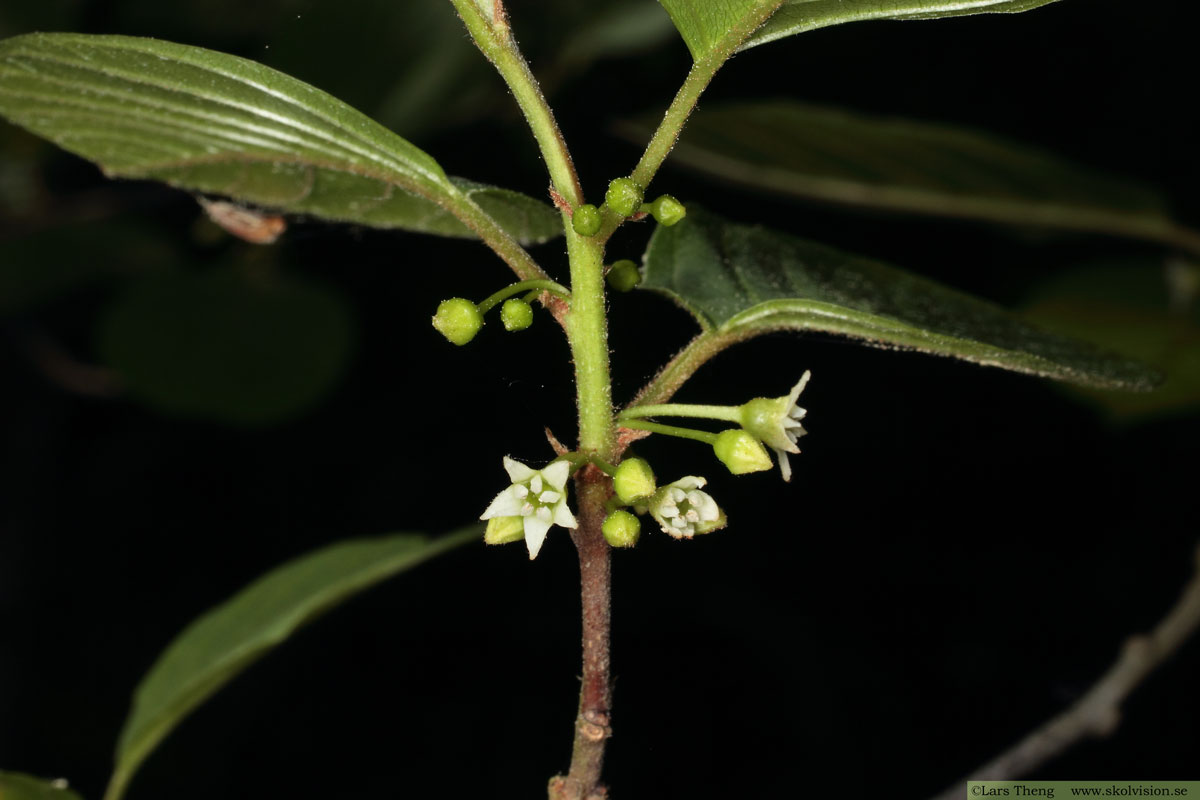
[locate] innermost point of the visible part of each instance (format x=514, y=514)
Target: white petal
x=535, y=535
x=535, y=485
x=520, y=490
x=563, y=516
x=784, y=466
x=517, y=472
x=549, y=496
x=557, y=473
x=506, y=504
x=678, y=495
x=690, y=482
x=545, y=515
x=799, y=387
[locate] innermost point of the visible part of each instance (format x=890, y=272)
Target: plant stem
x=685, y=363
x=698, y=77
x=723, y=413
x=497, y=238
x=670, y=430
x=538, y=286
x=494, y=38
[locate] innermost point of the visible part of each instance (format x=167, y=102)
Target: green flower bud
x=741, y=452
x=516, y=314
x=586, y=220
x=624, y=196
x=624, y=275
x=458, y=320
x=667, y=210
x=634, y=480
x=502, y=530
x=621, y=529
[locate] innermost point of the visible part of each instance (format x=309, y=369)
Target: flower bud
x=624, y=275
x=516, y=314
x=634, y=481
x=624, y=196
x=586, y=220
x=502, y=530
x=741, y=452
x=667, y=210
x=621, y=529
x=458, y=320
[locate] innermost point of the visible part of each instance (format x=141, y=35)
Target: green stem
x=516, y=288
x=685, y=363
x=724, y=413
x=496, y=238
x=698, y=78
x=494, y=38
x=670, y=430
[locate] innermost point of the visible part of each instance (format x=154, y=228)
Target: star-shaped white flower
x=776, y=421
x=537, y=497
x=683, y=511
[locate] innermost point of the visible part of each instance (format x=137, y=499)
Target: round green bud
x=586, y=220
x=624, y=275
x=502, y=530
x=621, y=529
x=516, y=314
x=741, y=452
x=458, y=320
x=667, y=210
x=634, y=481
x=624, y=196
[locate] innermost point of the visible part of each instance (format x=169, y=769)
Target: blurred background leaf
x=239, y=345
x=1143, y=308
x=837, y=156
x=15, y=786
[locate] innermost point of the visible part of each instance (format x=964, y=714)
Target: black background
x=960, y=553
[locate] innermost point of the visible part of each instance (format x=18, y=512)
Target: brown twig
x=592, y=724
x=1098, y=712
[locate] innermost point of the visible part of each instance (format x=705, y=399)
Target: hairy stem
x=494, y=38
x=497, y=238
x=685, y=363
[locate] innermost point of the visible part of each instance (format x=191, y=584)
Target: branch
x=1098, y=712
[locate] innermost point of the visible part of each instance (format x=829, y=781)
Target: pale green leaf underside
x=215, y=123
x=15, y=786
x=740, y=281
x=707, y=25
x=798, y=16
x=902, y=165
x=229, y=638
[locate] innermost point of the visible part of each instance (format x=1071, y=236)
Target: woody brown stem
x=592, y=724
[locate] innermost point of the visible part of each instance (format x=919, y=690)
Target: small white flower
x=538, y=497
x=683, y=511
x=776, y=421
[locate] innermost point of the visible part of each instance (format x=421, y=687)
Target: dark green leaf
x=225, y=641
x=15, y=786
x=227, y=345
x=798, y=16
x=901, y=165
x=741, y=281
x=1137, y=308
x=215, y=123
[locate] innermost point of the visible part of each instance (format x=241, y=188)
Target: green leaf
x=15, y=786
x=741, y=281
x=225, y=641
x=853, y=159
x=1137, y=308
x=227, y=345
x=713, y=29
x=798, y=16
x=215, y=123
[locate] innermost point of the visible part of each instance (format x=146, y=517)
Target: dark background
x=959, y=555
